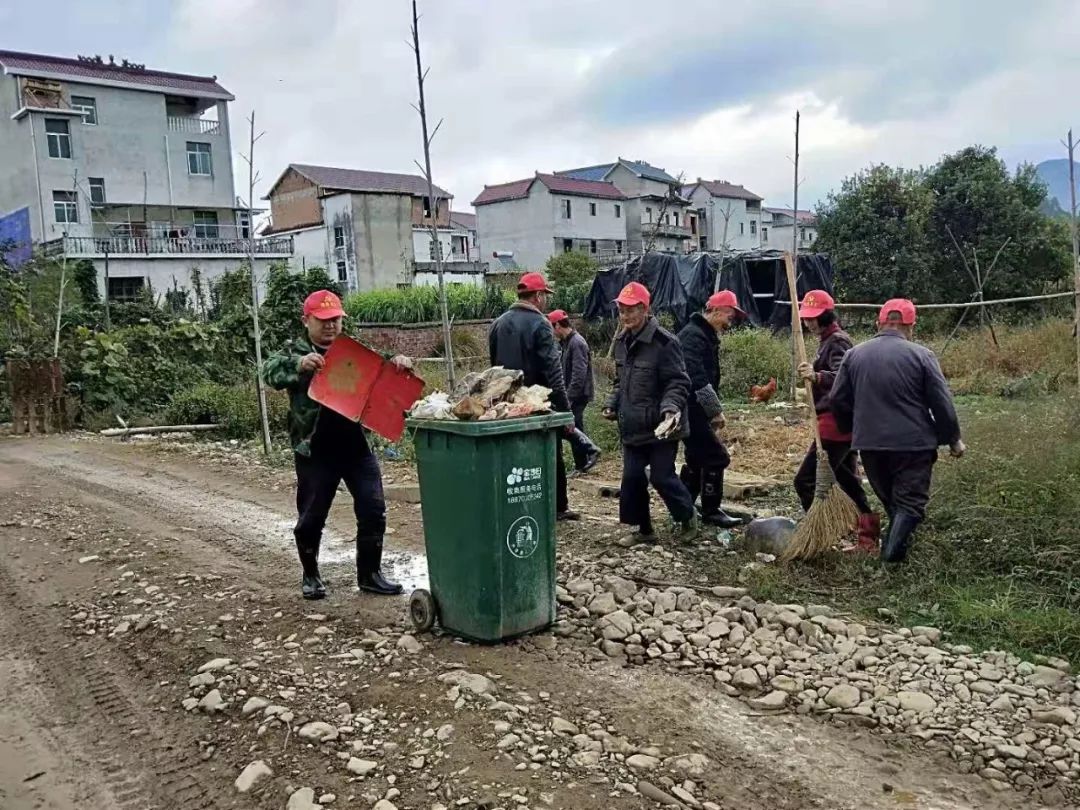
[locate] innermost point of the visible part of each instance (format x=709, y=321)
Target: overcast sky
x=704, y=87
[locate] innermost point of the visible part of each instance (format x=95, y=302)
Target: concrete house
x=463, y=240
x=656, y=211
x=528, y=221
x=777, y=224
x=717, y=202
x=370, y=230
x=126, y=166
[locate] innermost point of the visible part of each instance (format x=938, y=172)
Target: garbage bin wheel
x=422, y=610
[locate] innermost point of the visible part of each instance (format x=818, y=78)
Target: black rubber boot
x=691, y=478
x=311, y=586
x=895, y=547
x=712, y=495
x=369, y=575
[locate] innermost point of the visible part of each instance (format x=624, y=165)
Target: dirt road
x=124, y=572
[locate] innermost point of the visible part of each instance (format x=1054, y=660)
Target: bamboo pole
x=1075, y=248
x=260, y=390
x=964, y=305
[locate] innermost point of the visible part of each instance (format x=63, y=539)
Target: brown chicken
x=763, y=393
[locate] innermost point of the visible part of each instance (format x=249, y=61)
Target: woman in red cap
x=818, y=313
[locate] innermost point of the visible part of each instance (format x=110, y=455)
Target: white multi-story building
x=777, y=224
x=126, y=166
x=526, y=222
x=726, y=212
x=370, y=230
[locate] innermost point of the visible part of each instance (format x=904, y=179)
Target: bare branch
x=434, y=131
x=963, y=258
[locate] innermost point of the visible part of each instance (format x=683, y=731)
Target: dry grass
x=761, y=446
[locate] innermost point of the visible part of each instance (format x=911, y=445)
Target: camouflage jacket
x=281, y=370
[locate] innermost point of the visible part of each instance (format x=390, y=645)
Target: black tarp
x=757, y=278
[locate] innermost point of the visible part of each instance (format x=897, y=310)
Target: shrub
x=235, y=407
x=421, y=304
x=750, y=357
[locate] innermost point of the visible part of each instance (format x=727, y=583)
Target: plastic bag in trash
x=435, y=405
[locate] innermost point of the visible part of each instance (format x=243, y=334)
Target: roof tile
x=362, y=180
x=720, y=188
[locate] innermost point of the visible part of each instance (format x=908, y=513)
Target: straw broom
x=832, y=514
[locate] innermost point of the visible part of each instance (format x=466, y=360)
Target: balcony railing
x=194, y=126
x=98, y=246
x=666, y=229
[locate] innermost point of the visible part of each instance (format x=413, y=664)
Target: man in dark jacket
x=521, y=339
x=706, y=455
x=891, y=395
x=578, y=375
x=328, y=448
x=649, y=401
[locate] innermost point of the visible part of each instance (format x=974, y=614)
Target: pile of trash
x=496, y=393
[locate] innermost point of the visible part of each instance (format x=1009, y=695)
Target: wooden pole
x=433, y=203
x=723, y=247
x=1075, y=248
x=793, y=282
x=260, y=391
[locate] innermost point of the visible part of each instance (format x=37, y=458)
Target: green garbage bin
x=487, y=492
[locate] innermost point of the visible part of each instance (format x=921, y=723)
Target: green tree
x=874, y=230
x=571, y=275
x=983, y=207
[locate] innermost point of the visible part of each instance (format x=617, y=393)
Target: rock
x=653, y=793
x=1012, y=751
x=361, y=767
x=214, y=665
x=468, y=681
x=89, y=559
x=563, y=727
x=254, y=704
x=189, y=704
x=990, y=673
x=785, y=683
x=445, y=732
x=616, y=626
x=642, y=762
x=576, y=587
x=318, y=731
x=916, y=702
x=205, y=679
x=252, y=775
x=326, y=798
x=931, y=634
x=771, y=702
x=1002, y=704
x=692, y=765
x=1058, y=716
x=843, y=696
x=603, y=604
x=613, y=649
x=384, y=804
x=726, y=592
x=768, y=535
x=787, y=618
x=746, y=679
x=623, y=589
x=212, y=702
x=303, y=799
x=1047, y=677
x=586, y=759
x=409, y=645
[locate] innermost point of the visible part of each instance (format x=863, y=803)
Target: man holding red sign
x=329, y=448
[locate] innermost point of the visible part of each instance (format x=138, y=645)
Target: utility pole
x=1071, y=146
x=259, y=389
x=433, y=203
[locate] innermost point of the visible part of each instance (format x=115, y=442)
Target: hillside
x=1055, y=173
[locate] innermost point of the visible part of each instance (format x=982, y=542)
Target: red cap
x=324, y=305
x=533, y=282
x=816, y=302
x=557, y=316
x=633, y=294
x=902, y=306
x=724, y=298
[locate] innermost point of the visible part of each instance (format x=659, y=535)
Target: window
x=124, y=288
x=58, y=134
x=802, y=234
x=618, y=211
x=704, y=242
x=88, y=107
x=427, y=208
x=567, y=245
x=764, y=234
x=648, y=213
x=97, y=190
x=65, y=207
x=198, y=159
x=618, y=243
x=434, y=249
x=206, y=225
x=339, y=237
x=566, y=209
x=676, y=216
x=592, y=246
x=753, y=227
x=244, y=223
x=742, y=228
x=342, y=270
x=592, y=209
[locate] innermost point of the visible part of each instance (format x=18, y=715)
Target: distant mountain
x=1055, y=173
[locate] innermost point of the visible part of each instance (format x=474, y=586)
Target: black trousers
x=703, y=473
x=562, y=500
x=317, y=479
x=659, y=458
x=842, y=460
x=900, y=479
x=578, y=447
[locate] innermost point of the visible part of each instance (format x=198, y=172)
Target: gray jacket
x=577, y=368
x=650, y=380
x=890, y=393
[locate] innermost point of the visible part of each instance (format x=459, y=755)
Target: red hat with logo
x=533, y=282
x=558, y=316
x=633, y=294
x=324, y=305
x=725, y=298
x=902, y=306
x=816, y=302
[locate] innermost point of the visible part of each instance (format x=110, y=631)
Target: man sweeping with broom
x=891, y=394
